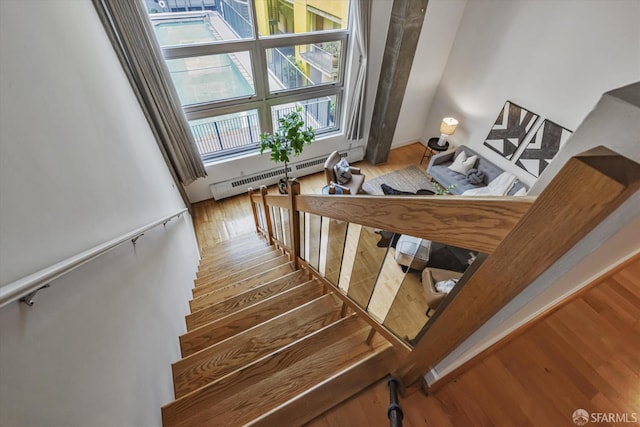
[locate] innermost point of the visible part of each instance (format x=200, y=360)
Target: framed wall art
x=542, y=147
x=510, y=129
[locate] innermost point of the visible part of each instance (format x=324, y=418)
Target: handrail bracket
x=28, y=299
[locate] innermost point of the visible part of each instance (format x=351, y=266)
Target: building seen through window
x=239, y=65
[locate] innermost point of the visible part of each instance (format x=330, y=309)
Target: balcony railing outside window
x=234, y=133
x=321, y=59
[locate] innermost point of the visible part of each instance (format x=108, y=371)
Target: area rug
x=409, y=179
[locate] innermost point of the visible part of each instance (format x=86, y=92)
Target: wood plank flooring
x=584, y=355
x=220, y=220
x=216, y=221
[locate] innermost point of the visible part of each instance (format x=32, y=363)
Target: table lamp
x=447, y=128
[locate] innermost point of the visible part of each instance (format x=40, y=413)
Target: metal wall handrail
x=20, y=288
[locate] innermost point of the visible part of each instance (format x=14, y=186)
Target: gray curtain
x=130, y=31
x=362, y=23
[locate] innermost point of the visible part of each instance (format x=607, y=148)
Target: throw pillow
x=342, y=171
x=462, y=163
x=475, y=177
x=446, y=286
x=521, y=192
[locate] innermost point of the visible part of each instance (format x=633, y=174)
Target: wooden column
x=585, y=191
x=294, y=221
x=267, y=214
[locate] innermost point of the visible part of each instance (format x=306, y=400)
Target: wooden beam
x=585, y=191
x=477, y=223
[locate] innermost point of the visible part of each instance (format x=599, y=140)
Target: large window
x=239, y=65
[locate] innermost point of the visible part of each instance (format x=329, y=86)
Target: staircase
x=266, y=344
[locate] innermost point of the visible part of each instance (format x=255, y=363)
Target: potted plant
x=290, y=138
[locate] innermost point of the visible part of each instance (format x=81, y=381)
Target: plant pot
x=282, y=186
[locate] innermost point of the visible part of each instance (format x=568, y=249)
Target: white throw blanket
x=500, y=186
x=445, y=286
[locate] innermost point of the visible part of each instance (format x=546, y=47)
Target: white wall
x=78, y=167
x=554, y=57
x=614, y=240
x=96, y=348
x=436, y=38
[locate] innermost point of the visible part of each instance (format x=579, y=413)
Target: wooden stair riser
x=248, y=317
x=329, y=393
x=207, y=365
x=245, y=299
x=205, y=286
x=220, y=294
x=272, y=380
x=248, y=261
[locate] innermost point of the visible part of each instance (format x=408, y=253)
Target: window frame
x=263, y=99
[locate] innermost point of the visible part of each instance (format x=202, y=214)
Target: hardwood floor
x=222, y=220
x=215, y=221
x=584, y=355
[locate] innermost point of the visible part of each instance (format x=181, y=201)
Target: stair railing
x=24, y=289
x=340, y=240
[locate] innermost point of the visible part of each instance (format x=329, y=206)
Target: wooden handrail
x=587, y=189
x=476, y=223
x=276, y=200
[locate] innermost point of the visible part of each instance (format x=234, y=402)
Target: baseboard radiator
x=241, y=184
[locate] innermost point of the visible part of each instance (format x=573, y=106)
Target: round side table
x=433, y=147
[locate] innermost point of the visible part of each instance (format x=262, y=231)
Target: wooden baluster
x=254, y=210
x=267, y=214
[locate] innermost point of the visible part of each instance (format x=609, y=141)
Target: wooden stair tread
x=230, y=250
x=208, y=262
x=235, y=241
x=204, y=286
x=206, y=365
x=218, y=259
x=245, y=298
x=214, y=296
x=223, y=268
x=245, y=236
x=325, y=395
x=223, y=328
x=231, y=268
x=245, y=394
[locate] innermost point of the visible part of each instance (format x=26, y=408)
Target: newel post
x=585, y=191
x=294, y=221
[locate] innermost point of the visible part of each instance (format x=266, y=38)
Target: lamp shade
x=448, y=126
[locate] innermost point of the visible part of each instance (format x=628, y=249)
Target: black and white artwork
x=509, y=131
x=542, y=148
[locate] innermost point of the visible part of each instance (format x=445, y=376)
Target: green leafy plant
x=289, y=139
x=441, y=191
